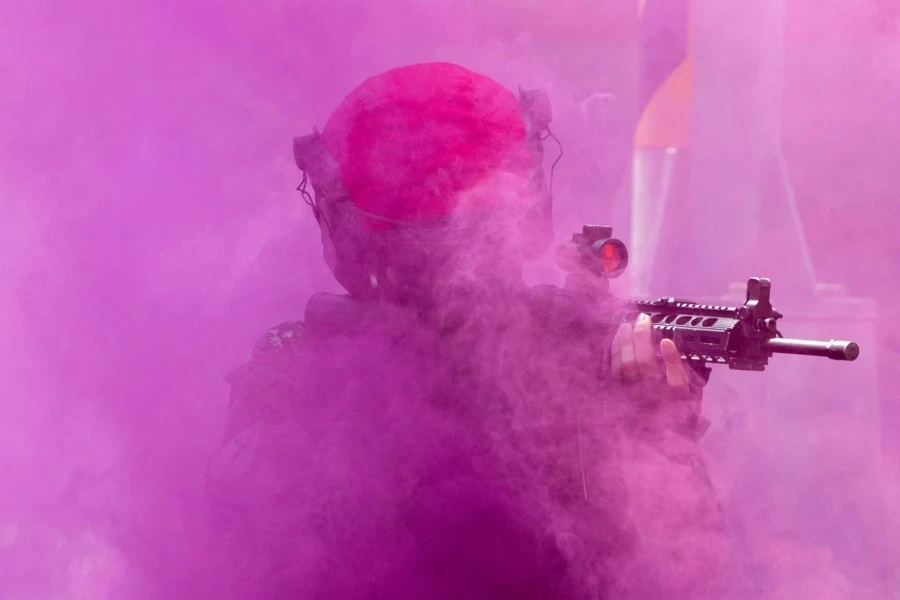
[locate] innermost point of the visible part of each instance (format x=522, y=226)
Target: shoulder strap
x=333, y=314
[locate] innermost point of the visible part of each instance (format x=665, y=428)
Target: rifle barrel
x=835, y=349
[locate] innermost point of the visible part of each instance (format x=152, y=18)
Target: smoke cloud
x=151, y=234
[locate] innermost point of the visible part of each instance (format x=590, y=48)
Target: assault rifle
x=743, y=337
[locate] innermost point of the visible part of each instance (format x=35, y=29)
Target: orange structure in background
x=665, y=121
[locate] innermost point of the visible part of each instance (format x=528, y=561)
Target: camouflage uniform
x=370, y=454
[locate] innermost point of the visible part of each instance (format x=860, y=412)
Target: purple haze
x=151, y=233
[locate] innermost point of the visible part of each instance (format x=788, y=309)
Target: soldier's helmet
x=420, y=159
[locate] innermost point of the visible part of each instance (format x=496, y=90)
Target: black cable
x=553, y=166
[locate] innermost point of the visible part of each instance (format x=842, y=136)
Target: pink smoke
x=151, y=233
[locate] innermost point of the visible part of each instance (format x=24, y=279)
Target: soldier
x=444, y=431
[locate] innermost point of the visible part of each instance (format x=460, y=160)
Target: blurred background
x=150, y=232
